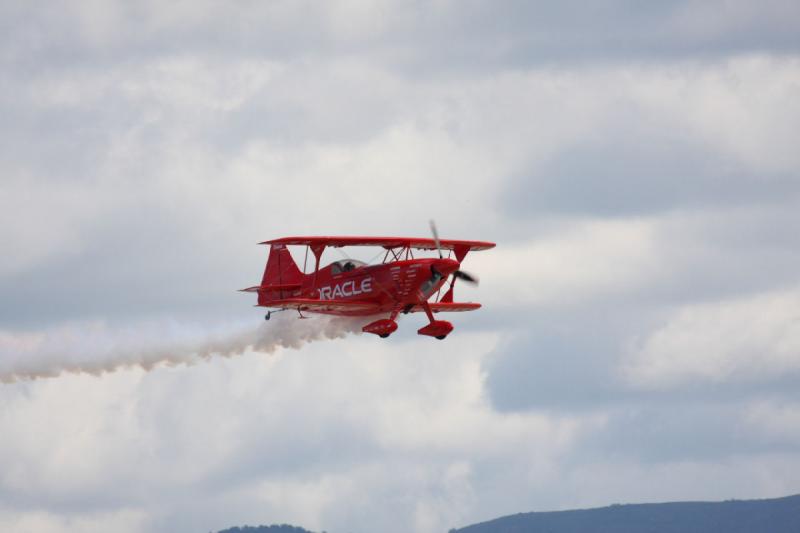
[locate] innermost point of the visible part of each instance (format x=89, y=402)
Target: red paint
x=399, y=284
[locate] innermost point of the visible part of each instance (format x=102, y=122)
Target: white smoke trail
x=95, y=348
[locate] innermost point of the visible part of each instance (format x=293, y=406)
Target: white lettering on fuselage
x=346, y=289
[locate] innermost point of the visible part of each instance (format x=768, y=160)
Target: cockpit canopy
x=346, y=265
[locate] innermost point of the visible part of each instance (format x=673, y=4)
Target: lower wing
x=325, y=306
x=447, y=307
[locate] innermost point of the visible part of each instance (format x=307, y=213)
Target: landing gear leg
x=437, y=328
x=426, y=306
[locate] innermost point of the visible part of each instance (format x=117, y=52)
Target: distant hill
x=780, y=515
x=284, y=528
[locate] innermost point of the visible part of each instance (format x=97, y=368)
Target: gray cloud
x=417, y=37
x=643, y=173
x=560, y=369
x=685, y=432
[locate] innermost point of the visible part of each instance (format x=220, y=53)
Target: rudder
x=281, y=268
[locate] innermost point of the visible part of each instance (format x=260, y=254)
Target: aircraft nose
x=446, y=266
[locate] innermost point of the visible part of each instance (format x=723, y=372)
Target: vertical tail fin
x=282, y=279
x=281, y=268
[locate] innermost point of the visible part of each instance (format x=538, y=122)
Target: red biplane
x=401, y=283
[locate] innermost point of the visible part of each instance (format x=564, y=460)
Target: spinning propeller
x=460, y=274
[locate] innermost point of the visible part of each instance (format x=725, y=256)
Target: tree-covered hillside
x=283, y=528
x=780, y=515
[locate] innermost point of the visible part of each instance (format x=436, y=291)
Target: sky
x=636, y=164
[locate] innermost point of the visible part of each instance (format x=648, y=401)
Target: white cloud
x=297, y=437
x=122, y=521
x=774, y=420
x=378, y=145
x=570, y=267
x=746, y=339
x=745, y=106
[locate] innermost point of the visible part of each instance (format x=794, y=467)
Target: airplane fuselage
x=388, y=286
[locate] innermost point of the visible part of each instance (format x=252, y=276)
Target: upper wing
x=447, y=307
x=386, y=242
x=325, y=306
x=275, y=287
